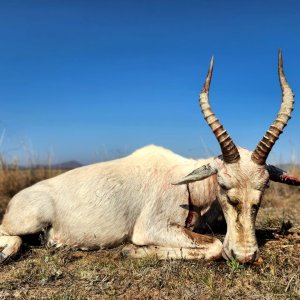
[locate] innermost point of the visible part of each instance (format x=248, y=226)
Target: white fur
x=105, y=204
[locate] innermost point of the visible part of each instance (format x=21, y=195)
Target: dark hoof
x=125, y=253
x=3, y=257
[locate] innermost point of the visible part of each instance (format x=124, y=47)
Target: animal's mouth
x=228, y=256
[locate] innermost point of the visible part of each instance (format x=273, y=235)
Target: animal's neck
x=203, y=193
x=202, y=203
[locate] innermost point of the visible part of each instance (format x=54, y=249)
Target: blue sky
x=90, y=80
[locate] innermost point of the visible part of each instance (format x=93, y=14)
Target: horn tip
x=280, y=57
x=211, y=62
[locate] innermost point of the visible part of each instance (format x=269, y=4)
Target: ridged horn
x=229, y=150
x=263, y=148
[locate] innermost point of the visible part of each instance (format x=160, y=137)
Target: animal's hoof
x=3, y=257
x=128, y=251
x=125, y=253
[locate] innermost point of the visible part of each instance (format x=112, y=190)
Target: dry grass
x=45, y=273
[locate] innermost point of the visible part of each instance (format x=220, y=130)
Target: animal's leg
x=22, y=217
x=168, y=253
x=9, y=246
x=175, y=242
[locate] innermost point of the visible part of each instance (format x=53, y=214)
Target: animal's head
x=243, y=175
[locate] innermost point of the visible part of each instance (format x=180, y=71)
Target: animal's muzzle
x=245, y=259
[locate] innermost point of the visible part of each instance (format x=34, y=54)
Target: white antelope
x=134, y=199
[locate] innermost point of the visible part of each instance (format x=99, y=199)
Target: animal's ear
x=279, y=175
x=198, y=174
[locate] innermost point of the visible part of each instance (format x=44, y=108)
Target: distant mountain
x=68, y=165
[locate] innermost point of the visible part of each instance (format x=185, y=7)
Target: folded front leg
x=175, y=242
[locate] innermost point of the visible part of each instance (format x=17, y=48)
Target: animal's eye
x=255, y=206
x=233, y=202
x=224, y=187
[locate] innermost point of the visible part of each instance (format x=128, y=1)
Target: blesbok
x=139, y=199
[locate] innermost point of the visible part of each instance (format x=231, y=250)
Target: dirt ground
x=45, y=273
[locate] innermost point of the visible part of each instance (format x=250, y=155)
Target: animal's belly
x=89, y=229
x=84, y=239
x=91, y=224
